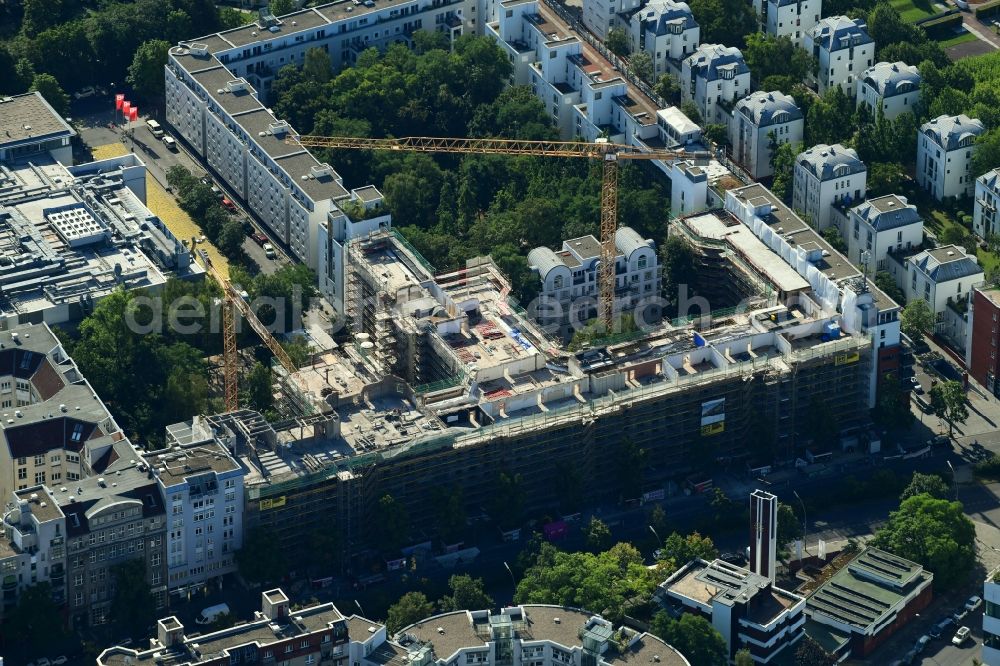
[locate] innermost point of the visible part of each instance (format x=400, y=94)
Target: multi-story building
x=667, y=31
x=944, y=155
x=984, y=324
x=761, y=122
x=881, y=226
x=788, y=18
x=569, y=276
x=277, y=634
x=984, y=214
x=713, y=78
x=56, y=431
x=746, y=608
x=941, y=276
x=825, y=176
x=30, y=127
x=991, y=619
x=843, y=50
x=202, y=489
x=601, y=16
x=33, y=545
x=889, y=88
x=870, y=599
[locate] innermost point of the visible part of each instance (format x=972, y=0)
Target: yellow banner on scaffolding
x=846, y=357
x=266, y=504
x=713, y=428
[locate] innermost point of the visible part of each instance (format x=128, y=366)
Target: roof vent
x=62, y=407
x=950, y=253
x=656, y=658
x=43, y=504
x=33, y=497
x=440, y=630
x=557, y=620
x=101, y=482
x=18, y=414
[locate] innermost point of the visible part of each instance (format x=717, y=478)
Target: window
x=39, y=477
x=22, y=473
x=40, y=460
x=642, y=262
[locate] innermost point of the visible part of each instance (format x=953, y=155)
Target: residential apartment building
x=600, y=16
x=944, y=155
x=746, y=608
x=941, y=276
x=870, y=599
x=202, y=489
x=991, y=619
x=569, y=276
x=825, y=176
x=984, y=338
x=714, y=77
x=788, y=18
x=843, y=50
x=889, y=88
x=761, y=122
x=667, y=31
x=277, y=634
x=881, y=226
x=30, y=128
x=56, y=430
x=984, y=212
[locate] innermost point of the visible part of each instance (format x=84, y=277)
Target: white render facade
x=714, y=77
x=879, y=226
x=892, y=88
x=984, y=215
x=756, y=119
x=991, y=619
x=667, y=31
x=788, y=18
x=843, y=50
x=826, y=175
x=601, y=16
x=941, y=274
x=944, y=155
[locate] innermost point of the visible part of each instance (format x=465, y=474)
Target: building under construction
x=446, y=386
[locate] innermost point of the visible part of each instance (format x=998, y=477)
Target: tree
x=641, y=64
x=682, y=549
x=233, y=18
x=825, y=428
x=776, y=59
x=886, y=26
x=717, y=133
x=411, y=607
x=832, y=236
x=810, y=653
x=724, y=21
x=893, y=411
x=32, y=623
x=391, y=525
x=690, y=109
x=948, y=402
x=49, y=88
x=693, y=636
x=783, y=162
x=658, y=519
x=885, y=282
x=986, y=154
x=790, y=528
x=39, y=15
x=282, y=7
x=926, y=484
x=677, y=269
x=669, y=88
x=916, y=319
x=933, y=532
x=744, y=658
x=598, y=535
x=507, y=506
x=229, y=239
x=831, y=118
x=316, y=65
x=145, y=74
x=467, y=593
x=260, y=560
x=516, y=113
x=132, y=608
x=451, y=513
x=257, y=385
x=885, y=177
x=617, y=41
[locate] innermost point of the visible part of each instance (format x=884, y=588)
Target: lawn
x=966, y=36
x=913, y=10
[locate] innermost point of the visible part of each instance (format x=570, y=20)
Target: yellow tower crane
x=608, y=153
x=233, y=300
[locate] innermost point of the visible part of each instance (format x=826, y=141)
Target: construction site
x=446, y=384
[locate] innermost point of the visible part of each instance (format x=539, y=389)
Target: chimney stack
x=274, y=604
x=763, y=533
x=170, y=632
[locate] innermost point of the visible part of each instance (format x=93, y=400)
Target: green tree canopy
x=926, y=484
x=769, y=57
x=49, y=88
x=783, y=162
x=680, y=549
x=948, y=401
x=260, y=560
x=916, y=319
x=809, y=653
x=617, y=41
x=790, y=526
x=830, y=119
x=411, y=607
x=467, y=593
x=986, y=154
x=132, y=608
x=724, y=21
x=145, y=74
x=693, y=636
x=391, y=525
x=933, y=532
x=598, y=535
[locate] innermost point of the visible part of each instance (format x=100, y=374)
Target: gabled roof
x=892, y=79
x=36, y=438
x=949, y=131
x=840, y=32
x=711, y=59
x=766, y=109
x=829, y=162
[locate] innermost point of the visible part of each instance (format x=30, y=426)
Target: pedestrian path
x=165, y=207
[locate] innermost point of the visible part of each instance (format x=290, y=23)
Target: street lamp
x=356, y=603
x=954, y=490
x=651, y=529
x=513, y=582
x=805, y=523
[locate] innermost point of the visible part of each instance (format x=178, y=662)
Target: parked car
x=212, y=613
x=960, y=636
x=959, y=615
x=42, y=661
x=59, y=661
x=921, y=643
x=973, y=603
x=269, y=251
x=228, y=205
x=942, y=627
x=260, y=239
x=169, y=142
x=84, y=93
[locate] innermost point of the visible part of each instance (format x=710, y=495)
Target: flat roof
x=218, y=78
x=319, y=188
x=260, y=120
x=288, y=24
x=176, y=466
x=29, y=117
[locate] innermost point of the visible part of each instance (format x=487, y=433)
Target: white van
x=155, y=128
x=169, y=142
x=212, y=613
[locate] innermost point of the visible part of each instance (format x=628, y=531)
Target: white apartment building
x=891, y=87
x=984, y=214
x=991, y=619
x=788, y=18
x=759, y=121
x=843, y=50
x=714, y=77
x=600, y=16
x=824, y=176
x=944, y=155
x=941, y=275
x=202, y=489
x=569, y=276
x=667, y=31
x=880, y=226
